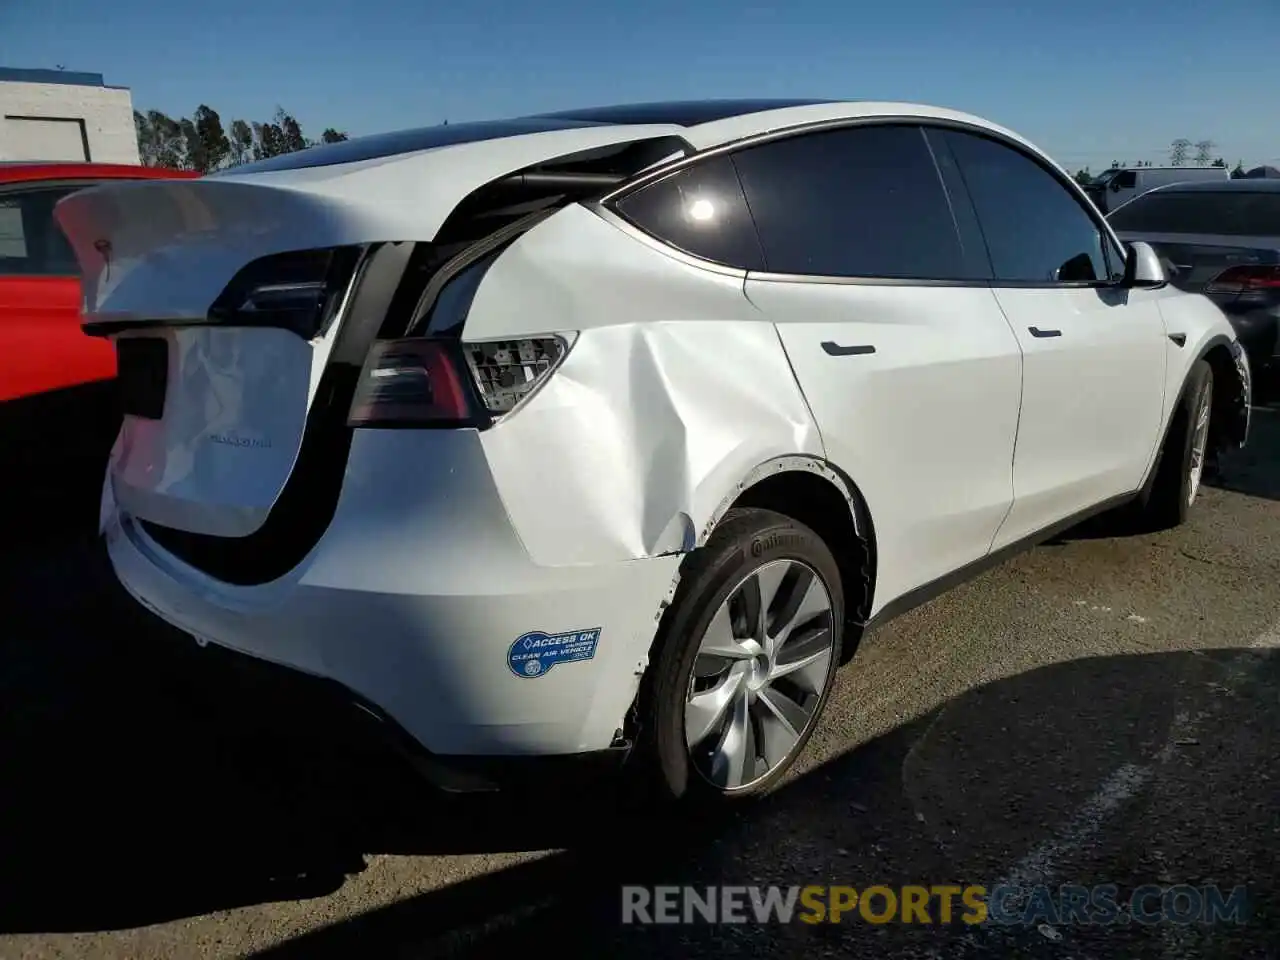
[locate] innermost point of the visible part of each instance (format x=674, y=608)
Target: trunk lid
x=220, y=382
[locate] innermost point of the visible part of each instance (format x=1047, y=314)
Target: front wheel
x=1186, y=456
x=744, y=660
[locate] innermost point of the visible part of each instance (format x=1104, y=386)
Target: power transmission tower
x=1204, y=152
x=1178, y=151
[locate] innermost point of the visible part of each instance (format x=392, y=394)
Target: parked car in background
x=607, y=433
x=58, y=406
x=1221, y=240
x=1114, y=187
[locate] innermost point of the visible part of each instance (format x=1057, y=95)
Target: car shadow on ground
x=142, y=788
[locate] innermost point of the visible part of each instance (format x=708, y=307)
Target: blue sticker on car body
x=536, y=652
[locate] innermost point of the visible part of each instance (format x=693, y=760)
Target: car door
x=909, y=367
x=1094, y=350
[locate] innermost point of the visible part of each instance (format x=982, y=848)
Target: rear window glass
x=1234, y=214
x=700, y=210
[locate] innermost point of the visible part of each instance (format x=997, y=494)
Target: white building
x=60, y=115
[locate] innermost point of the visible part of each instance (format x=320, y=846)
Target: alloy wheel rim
x=1199, y=444
x=762, y=667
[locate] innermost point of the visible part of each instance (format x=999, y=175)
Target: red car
x=58, y=410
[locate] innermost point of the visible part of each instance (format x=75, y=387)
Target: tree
x=291, y=132
x=165, y=145
x=209, y=148
x=142, y=129
x=192, y=156
x=241, y=142
x=1083, y=177
x=1178, y=151
x=1239, y=172
x=268, y=141
x=200, y=142
x=1218, y=163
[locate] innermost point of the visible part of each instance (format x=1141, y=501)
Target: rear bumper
x=322, y=712
x=413, y=602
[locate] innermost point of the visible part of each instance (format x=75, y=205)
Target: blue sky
x=1090, y=82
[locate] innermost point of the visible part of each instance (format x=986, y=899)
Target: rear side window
x=1037, y=231
x=859, y=202
x=1226, y=213
x=701, y=211
x=31, y=243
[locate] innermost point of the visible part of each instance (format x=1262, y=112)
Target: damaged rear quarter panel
x=675, y=390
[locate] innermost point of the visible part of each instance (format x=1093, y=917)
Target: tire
x=749, y=545
x=1176, y=482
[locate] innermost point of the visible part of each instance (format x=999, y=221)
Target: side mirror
x=1143, y=268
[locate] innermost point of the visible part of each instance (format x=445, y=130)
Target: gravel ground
x=1100, y=710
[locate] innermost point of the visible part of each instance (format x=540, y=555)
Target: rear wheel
x=1186, y=456
x=744, y=661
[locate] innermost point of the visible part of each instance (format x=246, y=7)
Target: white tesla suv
x=608, y=433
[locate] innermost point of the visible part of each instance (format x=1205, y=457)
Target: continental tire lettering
x=772, y=541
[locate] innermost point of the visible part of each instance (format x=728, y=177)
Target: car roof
x=1241, y=185
x=30, y=171
x=682, y=113
x=700, y=123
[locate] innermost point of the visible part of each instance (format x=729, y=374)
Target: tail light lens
x=425, y=382
x=1246, y=280
x=299, y=291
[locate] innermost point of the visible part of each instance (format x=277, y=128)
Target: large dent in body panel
x=675, y=389
x=631, y=448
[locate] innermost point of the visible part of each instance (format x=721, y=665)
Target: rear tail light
x=1245, y=280
x=507, y=371
x=423, y=381
x=299, y=291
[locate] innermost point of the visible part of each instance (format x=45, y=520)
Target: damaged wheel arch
x=822, y=497
x=811, y=490
x=1233, y=392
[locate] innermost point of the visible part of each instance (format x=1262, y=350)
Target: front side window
x=31, y=242
x=1036, y=229
x=701, y=211
x=864, y=201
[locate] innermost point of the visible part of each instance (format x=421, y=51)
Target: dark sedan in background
x=1221, y=239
